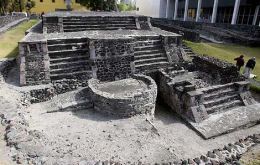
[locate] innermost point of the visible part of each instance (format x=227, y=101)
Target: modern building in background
x=214, y=11
x=52, y=5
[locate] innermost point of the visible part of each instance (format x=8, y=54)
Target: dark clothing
x=250, y=64
x=240, y=61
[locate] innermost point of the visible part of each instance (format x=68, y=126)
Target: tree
x=68, y=4
x=3, y=6
x=29, y=5
x=16, y=5
x=99, y=5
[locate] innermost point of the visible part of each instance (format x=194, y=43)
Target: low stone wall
x=241, y=34
x=188, y=34
x=222, y=72
x=5, y=65
x=4, y=20
x=141, y=102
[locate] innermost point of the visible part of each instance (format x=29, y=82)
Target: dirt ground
x=95, y=136
x=89, y=135
x=5, y=158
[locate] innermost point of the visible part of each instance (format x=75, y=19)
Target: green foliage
x=99, y=5
x=3, y=6
x=256, y=89
x=29, y=5
x=126, y=7
x=16, y=5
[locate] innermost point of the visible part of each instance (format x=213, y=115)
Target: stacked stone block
x=137, y=102
x=34, y=63
x=112, y=59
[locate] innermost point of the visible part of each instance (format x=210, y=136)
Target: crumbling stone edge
x=18, y=137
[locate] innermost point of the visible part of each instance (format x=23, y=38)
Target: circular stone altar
x=127, y=97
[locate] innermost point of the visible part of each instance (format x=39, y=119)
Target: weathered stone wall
x=241, y=34
x=5, y=66
x=139, y=103
x=222, y=72
x=34, y=63
x=52, y=25
x=112, y=59
x=191, y=35
x=173, y=46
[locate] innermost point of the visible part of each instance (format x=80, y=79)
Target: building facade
x=52, y=5
x=214, y=11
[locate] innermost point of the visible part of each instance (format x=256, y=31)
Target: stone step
x=146, y=43
x=72, y=75
x=218, y=88
x=66, y=53
x=150, y=60
x=225, y=106
x=148, y=38
x=148, y=47
x=70, y=69
x=66, y=41
x=221, y=93
x=102, y=28
x=147, y=52
x=69, y=64
x=97, y=19
x=67, y=46
x=97, y=26
x=148, y=56
x=77, y=22
x=221, y=100
x=69, y=59
x=151, y=65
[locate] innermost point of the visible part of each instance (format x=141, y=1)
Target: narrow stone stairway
x=69, y=59
x=189, y=52
x=221, y=98
x=72, y=24
x=149, y=54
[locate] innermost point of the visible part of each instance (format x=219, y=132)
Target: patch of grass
x=256, y=89
x=9, y=40
x=228, y=52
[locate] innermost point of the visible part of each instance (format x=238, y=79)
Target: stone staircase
x=72, y=24
x=221, y=97
x=69, y=59
x=149, y=54
x=189, y=52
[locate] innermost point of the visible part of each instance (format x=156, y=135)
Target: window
x=53, y=1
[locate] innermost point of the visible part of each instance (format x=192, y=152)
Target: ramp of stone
x=224, y=122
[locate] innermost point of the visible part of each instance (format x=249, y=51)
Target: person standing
x=240, y=62
x=250, y=65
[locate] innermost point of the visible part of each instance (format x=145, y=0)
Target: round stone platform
x=128, y=97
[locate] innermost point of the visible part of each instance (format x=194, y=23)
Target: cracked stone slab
x=224, y=122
